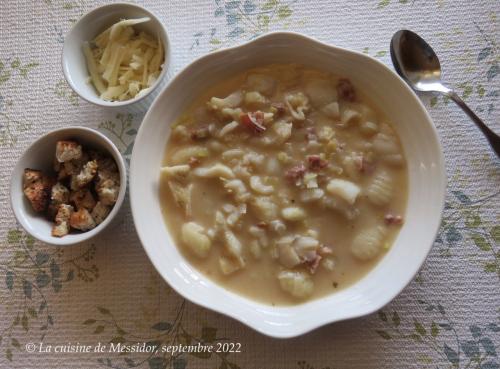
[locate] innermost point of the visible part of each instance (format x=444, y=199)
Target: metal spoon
x=418, y=64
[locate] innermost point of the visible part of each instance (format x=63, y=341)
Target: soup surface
x=283, y=184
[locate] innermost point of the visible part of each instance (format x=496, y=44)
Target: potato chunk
x=264, y=208
x=385, y=144
x=293, y=214
x=332, y=110
x=287, y=254
x=194, y=237
x=261, y=83
x=228, y=266
x=321, y=92
x=368, y=243
x=380, y=190
x=297, y=284
x=346, y=190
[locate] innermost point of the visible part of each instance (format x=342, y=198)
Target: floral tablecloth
x=108, y=291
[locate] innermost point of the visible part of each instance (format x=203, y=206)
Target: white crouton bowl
x=40, y=156
x=426, y=173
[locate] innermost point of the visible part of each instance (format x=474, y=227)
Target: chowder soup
x=283, y=184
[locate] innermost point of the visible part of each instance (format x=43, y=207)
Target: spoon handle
x=492, y=137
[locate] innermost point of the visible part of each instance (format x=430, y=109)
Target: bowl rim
x=117, y=104
x=84, y=236
x=304, y=328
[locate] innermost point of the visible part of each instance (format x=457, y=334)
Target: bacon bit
x=296, y=172
x=345, y=90
x=262, y=225
x=313, y=264
x=253, y=120
x=280, y=108
x=391, y=219
x=200, y=133
x=193, y=161
x=316, y=163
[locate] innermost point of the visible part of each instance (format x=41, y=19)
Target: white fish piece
x=194, y=237
x=258, y=186
x=175, y=171
x=215, y=171
x=230, y=101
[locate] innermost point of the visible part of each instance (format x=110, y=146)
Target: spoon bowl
x=417, y=63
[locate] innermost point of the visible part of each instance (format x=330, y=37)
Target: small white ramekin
x=40, y=156
x=86, y=29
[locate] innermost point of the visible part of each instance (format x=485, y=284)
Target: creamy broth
x=298, y=166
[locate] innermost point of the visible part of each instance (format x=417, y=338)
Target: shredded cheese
x=123, y=63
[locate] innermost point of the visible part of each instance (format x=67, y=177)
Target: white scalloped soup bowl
x=419, y=139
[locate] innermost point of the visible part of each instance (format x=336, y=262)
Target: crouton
x=31, y=176
x=61, y=228
x=36, y=187
x=72, y=167
x=107, y=191
x=85, y=176
x=59, y=194
x=82, y=199
x=82, y=220
x=107, y=185
x=52, y=211
x=56, y=165
x=100, y=212
x=68, y=150
x=107, y=164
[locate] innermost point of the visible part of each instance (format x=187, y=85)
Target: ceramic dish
x=40, y=156
x=86, y=29
x=387, y=91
